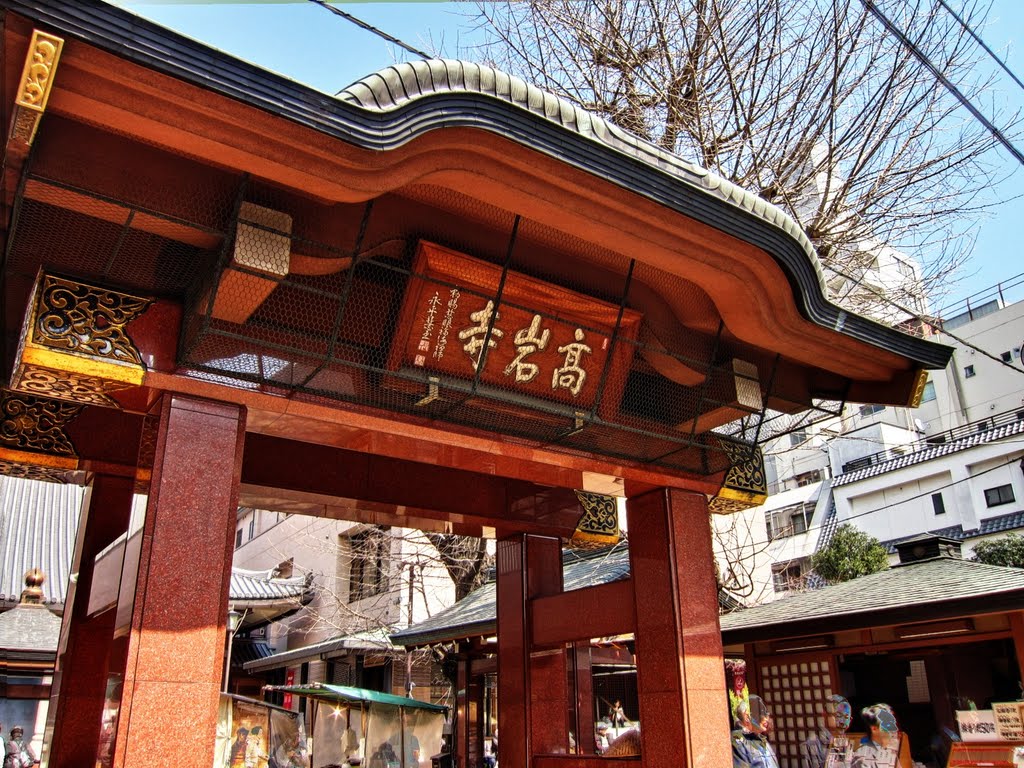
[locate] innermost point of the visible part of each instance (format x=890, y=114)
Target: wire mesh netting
x=430, y=303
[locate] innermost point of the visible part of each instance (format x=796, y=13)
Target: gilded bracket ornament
x=745, y=485
x=35, y=84
x=33, y=443
x=74, y=345
x=598, y=526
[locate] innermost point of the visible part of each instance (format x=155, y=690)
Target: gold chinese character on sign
x=476, y=333
x=571, y=375
x=527, y=342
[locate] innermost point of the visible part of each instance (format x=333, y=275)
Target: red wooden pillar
x=174, y=604
x=80, y=679
x=532, y=685
x=468, y=747
x=680, y=671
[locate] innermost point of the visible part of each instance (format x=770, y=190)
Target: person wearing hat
x=18, y=753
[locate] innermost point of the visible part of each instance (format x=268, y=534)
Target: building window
x=252, y=526
x=806, y=478
x=968, y=371
x=1003, y=494
x=238, y=538
x=905, y=269
x=938, y=504
x=929, y=392
x=797, y=437
x=786, y=578
x=870, y=410
x=368, y=569
x=789, y=521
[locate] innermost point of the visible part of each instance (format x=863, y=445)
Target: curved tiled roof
x=390, y=88
x=261, y=585
x=399, y=104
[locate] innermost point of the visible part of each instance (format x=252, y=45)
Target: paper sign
x=977, y=725
x=1008, y=721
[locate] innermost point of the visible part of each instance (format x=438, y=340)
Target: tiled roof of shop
x=369, y=640
x=931, y=452
x=476, y=613
x=261, y=585
x=930, y=582
x=38, y=522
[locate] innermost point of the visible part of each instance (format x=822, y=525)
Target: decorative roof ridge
x=398, y=84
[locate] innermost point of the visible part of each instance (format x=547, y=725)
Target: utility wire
x=931, y=323
x=370, y=28
x=963, y=24
x=920, y=56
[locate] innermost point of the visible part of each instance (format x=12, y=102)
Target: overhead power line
x=950, y=86
x=370, y=28
x=974, y=36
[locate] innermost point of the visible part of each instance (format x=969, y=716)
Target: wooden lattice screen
x=796, y=692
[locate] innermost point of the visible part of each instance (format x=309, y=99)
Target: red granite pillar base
x=533, y=685
x=79, y=684
x=680, y=675
x=175, y=650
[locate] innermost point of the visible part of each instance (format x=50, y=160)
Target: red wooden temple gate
x=443, y=300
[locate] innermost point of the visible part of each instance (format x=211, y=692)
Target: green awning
x=347, y=695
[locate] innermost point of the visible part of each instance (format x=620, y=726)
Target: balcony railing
x=940, y=438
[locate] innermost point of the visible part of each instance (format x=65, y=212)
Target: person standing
x=750, y=747
x=17, y=752
x=617, y=714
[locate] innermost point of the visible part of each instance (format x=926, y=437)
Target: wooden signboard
x=545, y=341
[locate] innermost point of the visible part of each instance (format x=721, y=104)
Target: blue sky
x=307, y=43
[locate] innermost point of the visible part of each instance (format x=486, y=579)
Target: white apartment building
x=369, y=581
x=952, y=466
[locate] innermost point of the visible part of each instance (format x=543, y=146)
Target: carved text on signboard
x=537, y=338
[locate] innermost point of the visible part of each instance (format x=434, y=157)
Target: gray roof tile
x=929, y=582
x=476, y=613
x=29, y=628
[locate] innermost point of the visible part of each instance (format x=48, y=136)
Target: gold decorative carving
x=918, y=392
x=86, y=320
x=745, y=485
x=35, y=425
x=35, y=85
x=74, y=345
x=24, y=124
x=34, y=472
x=72, y=387
x=598, y=527
x=40, y=65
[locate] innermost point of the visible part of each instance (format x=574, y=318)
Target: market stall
x=356, y=726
